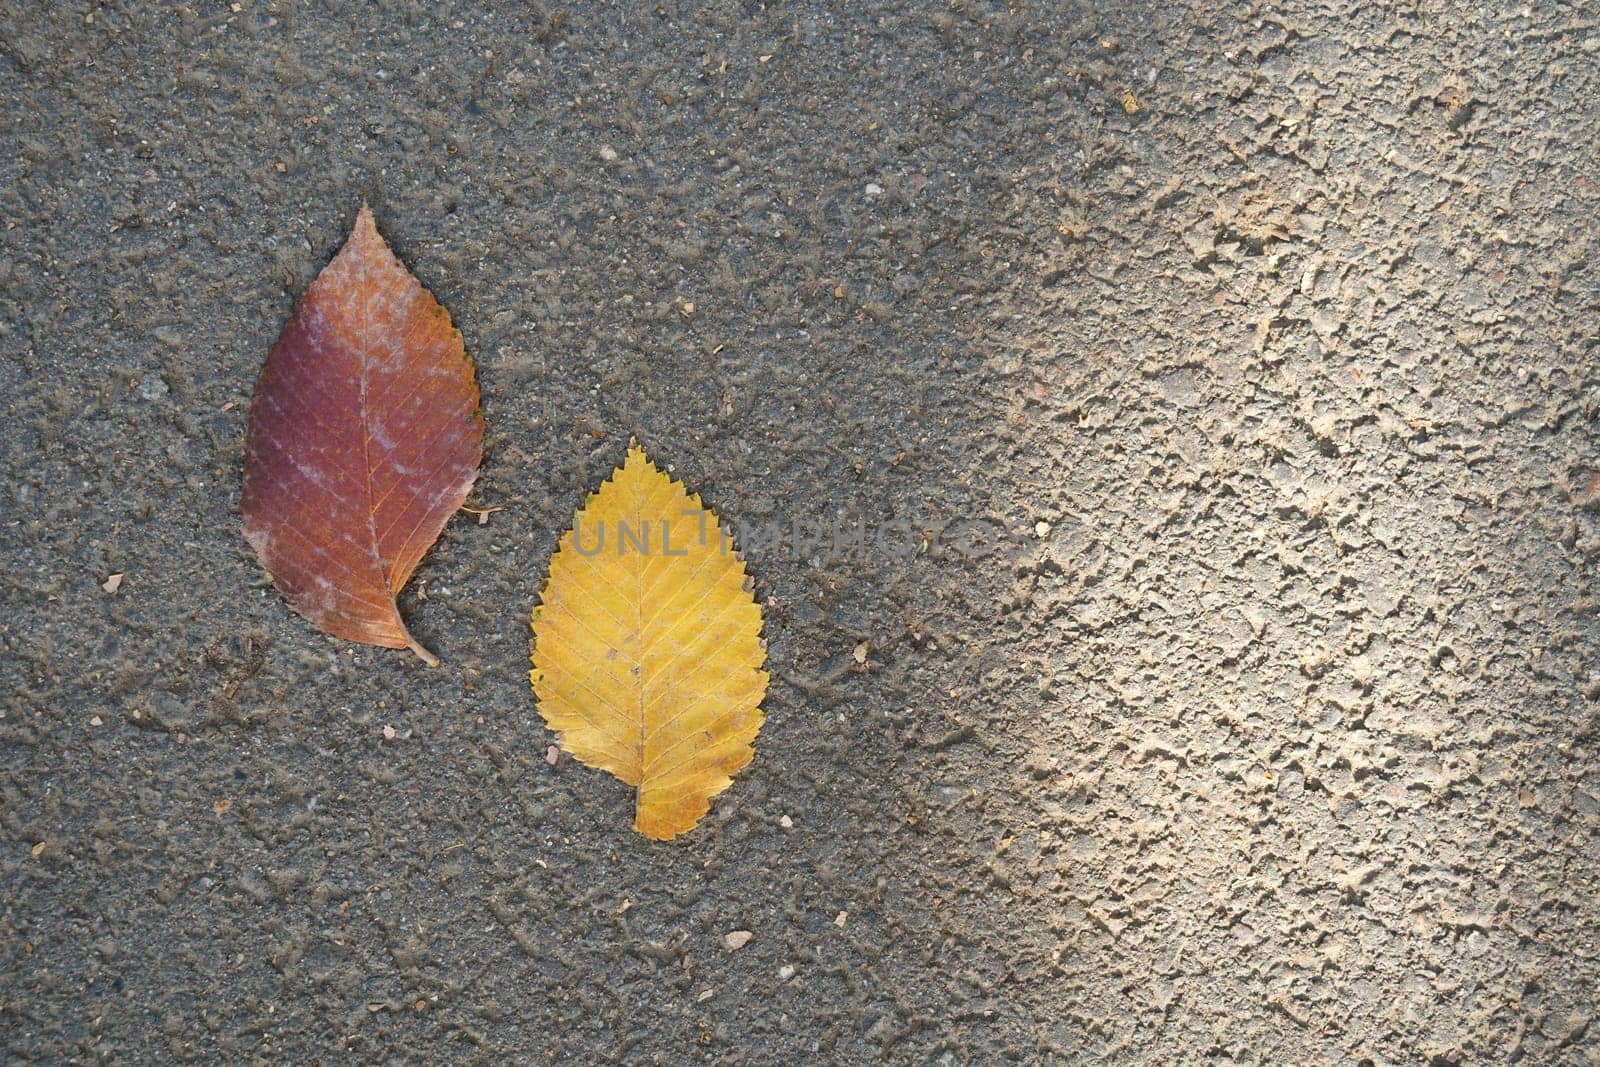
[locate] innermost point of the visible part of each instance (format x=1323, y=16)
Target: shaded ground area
x=1252, y=348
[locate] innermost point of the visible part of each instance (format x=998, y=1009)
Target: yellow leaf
x=647, y=647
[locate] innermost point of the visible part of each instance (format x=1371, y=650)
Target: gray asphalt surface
x=1254, y=718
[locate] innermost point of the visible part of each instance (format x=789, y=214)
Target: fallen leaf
x=734, y=940
x=364, y=439
x=38, y=850
x=647, y=647
x=112, y=584
x=860, y=653
x=223, y=806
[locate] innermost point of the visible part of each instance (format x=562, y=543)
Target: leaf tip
x=365, y=231
x=654, y=828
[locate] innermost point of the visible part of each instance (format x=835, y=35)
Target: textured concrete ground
x=1253, y=716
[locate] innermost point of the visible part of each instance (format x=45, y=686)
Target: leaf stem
x=427, y=657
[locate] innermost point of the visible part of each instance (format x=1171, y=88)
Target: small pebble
x=153, y=387
x=734, y=940
x=388, y=732
x=786, y=972
x=874, y=189
x=786, y=822
x=608, y=154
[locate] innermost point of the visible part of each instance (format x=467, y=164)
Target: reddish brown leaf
x=364, y=439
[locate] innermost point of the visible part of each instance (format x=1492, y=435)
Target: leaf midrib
x=638, y=630
x=363, y=348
